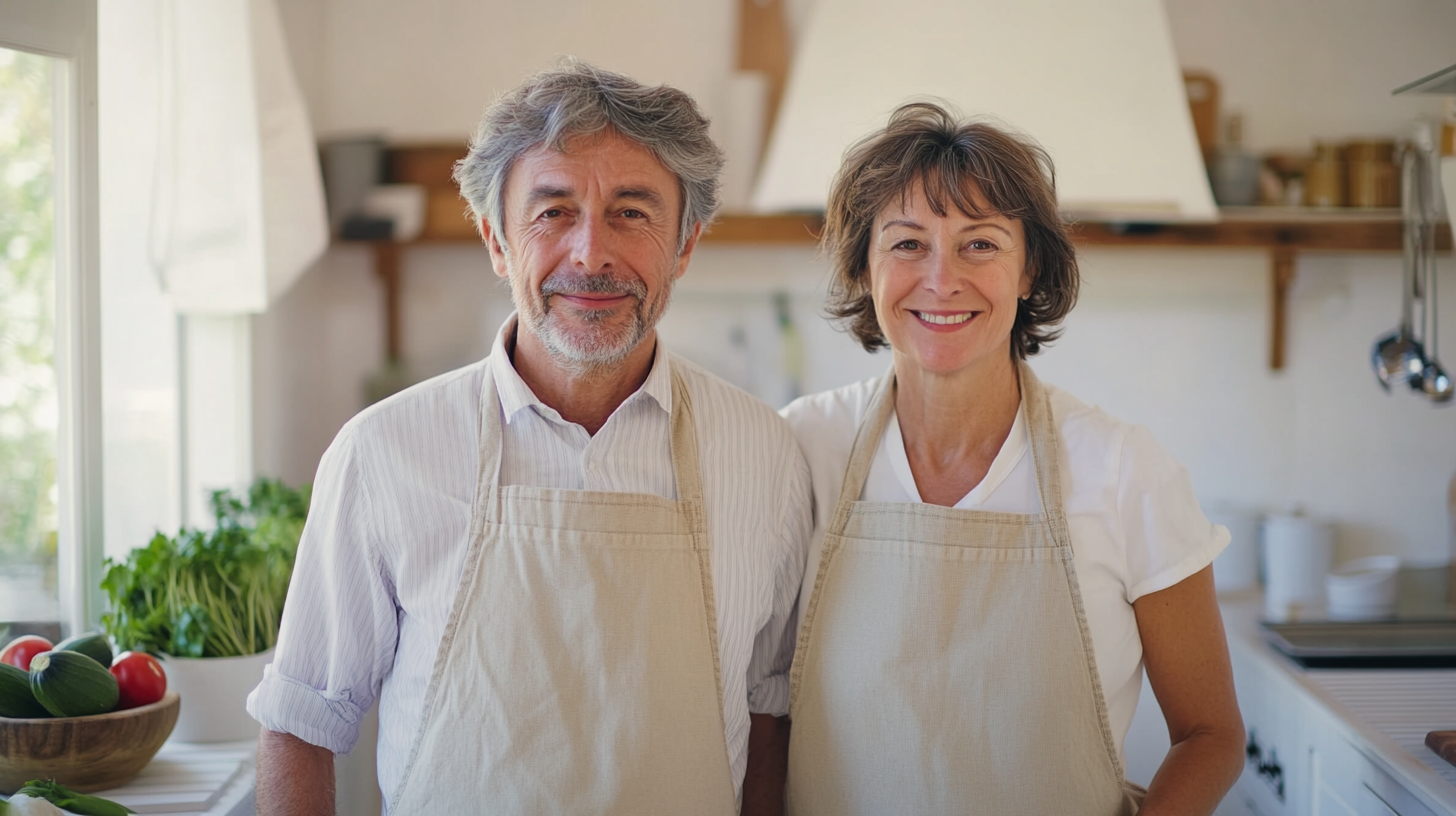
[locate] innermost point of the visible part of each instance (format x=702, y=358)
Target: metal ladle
x=1435, y=383
x=1398, y=357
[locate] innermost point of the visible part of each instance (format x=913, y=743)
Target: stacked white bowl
x=1363, y=589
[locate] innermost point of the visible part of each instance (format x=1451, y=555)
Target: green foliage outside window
x=28, y=409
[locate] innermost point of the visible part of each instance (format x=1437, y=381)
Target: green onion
x=67, y=799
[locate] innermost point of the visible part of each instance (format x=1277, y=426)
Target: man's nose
x=591, y=244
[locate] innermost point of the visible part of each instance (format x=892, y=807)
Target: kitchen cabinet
x=1335, y=742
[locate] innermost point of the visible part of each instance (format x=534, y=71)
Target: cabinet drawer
x=1347, y=783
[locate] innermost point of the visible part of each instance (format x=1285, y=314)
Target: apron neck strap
x=1045, y=452
x=685, y=461
x=866, y=442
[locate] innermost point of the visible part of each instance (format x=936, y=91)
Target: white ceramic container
x=1364, y=588
x=1297, y=552
x=214, y=692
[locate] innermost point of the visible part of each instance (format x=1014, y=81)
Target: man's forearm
x=294, y=777
x=768, y=765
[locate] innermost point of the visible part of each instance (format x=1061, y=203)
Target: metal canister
x=1371, y=178
x=1324, y=177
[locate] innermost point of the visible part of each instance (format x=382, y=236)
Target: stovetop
x=1422, y=634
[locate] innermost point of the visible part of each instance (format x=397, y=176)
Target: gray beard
x=603, y=345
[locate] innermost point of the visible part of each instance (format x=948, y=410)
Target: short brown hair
x=924, y=143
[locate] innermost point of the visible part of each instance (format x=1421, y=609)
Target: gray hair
x=576, y=99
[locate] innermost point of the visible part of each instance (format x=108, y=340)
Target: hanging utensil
x=1435, y=383
x=1398, y=357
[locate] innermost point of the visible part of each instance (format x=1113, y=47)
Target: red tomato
x=140, y=678
x=22, y=649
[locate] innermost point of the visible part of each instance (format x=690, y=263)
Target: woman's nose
x=943, y=275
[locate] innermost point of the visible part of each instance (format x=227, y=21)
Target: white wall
x=1176, y=340
x=1172, y=339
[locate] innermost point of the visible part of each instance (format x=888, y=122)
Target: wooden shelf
x=1283, y=232
x=1247, y=228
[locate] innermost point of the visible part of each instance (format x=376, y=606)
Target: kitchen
x=1317, y=434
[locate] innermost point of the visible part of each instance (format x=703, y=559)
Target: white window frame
x=66, y=29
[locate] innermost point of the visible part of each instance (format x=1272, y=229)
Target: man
x=568, y=571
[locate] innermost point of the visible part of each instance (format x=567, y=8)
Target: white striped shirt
x=383, y=551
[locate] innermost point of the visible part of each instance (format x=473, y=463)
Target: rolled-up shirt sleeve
x=773, y=647
x=340, y=621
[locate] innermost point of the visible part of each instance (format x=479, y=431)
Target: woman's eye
x=981, y=245
x=908, y=243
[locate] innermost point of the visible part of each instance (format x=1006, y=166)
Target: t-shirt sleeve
x=773, y=648
x=1166, y=535
x=337, y=637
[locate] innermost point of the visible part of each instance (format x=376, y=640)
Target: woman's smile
x=943, y=321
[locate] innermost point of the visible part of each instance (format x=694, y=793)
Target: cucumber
x=70, y=684
x=92, y=644
x=16, y=698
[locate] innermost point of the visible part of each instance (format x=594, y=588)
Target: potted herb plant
x=208, y=602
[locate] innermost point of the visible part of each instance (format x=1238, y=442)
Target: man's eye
x=554, y=212
x=633, y=214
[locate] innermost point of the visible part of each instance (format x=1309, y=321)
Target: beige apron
x=578, y=673
x=944, y=664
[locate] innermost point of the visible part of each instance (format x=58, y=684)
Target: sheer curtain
x=211, y=207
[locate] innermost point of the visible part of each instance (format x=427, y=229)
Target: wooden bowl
x=85, y=753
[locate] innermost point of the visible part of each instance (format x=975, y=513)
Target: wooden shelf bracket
x=1281, y=276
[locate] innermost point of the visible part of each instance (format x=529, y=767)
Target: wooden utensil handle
x=1444, y=744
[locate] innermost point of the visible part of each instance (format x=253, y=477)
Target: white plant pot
x=214, y=693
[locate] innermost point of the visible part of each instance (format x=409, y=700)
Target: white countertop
x=194, y=779
x=1383, y=713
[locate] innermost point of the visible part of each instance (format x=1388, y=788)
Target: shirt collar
x=516, y=396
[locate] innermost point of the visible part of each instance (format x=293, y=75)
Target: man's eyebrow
x=644, y=194
x=544, y=193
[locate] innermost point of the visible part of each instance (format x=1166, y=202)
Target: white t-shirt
x=1135, y=523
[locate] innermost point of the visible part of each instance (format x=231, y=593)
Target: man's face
x=590, y=247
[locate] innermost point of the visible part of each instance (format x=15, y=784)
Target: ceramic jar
x=1324, y=177
x=1371, y=177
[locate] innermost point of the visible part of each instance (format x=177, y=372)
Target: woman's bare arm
x=1188, y=667
x=295, y=778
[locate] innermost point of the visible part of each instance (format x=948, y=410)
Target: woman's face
x=945, y=288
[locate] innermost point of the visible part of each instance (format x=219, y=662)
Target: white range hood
x=1096, y=83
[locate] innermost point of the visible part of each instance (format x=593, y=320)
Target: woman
x=995, y=561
